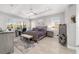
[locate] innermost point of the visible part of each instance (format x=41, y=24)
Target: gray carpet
x=23, y=45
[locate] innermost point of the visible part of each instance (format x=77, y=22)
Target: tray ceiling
x=32, y=10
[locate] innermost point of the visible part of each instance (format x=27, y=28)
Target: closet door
x=63, y=34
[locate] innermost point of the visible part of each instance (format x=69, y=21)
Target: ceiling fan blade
x=33, y=12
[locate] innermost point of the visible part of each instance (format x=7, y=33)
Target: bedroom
x=42, y=21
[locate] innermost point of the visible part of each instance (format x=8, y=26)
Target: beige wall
x=77, y=25
x=71, y=27
x=49, y=20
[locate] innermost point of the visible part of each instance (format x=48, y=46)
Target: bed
x=38, y=33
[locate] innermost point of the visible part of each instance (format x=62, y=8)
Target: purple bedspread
x=37, y=33
x=40, y=33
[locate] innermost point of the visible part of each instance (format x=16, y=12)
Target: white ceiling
x=38, y=10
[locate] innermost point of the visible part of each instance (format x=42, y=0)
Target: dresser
x=6, y=42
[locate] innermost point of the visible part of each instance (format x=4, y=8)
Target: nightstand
x=50, y=33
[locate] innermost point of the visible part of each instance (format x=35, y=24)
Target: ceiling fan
x=31, y=10
x=43, y=11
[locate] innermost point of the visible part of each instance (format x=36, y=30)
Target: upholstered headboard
x=42, y=27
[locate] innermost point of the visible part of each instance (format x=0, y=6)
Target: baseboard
x=77, y=45
x=71, y=47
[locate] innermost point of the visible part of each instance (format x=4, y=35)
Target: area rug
x=23, y=46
